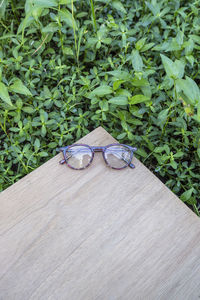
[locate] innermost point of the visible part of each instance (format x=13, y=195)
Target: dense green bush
x=67, y=67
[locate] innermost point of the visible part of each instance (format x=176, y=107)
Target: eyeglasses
x=80, y=156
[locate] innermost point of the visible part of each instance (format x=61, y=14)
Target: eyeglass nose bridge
x=97, y=149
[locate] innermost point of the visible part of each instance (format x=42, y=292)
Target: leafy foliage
x=69, y=66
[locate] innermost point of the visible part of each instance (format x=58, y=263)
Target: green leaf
x=154, y=7
x=179, y=68
x=173, y=164
x=187, y=195
x=190, y=89
x=3, y=4
x=121, y=75
x=117, y=84
x=138, y=99
x=198, y=111
x=66, y=2
x=28, y=109
x=191, y=59
x=137, y=62
x=107, y=41
x=178, y=154
x=159, y=149
x=45, y=3
x=43, y=154
x=19, y=87
x=196, y=38
x=162, y=117
x=140, y=44
x=66, y=17
x=4, y=94
x=198, y=152
x=25, y=23
x=142, y=152
x=173, y=69
x=120, y=100
x=102, y=90
x=68, y=51
x=168, y=65
x=147, y=91
x=123, y=92
x=52, y=27
x=118, y=6
x=37, y=144
x=7, y=36
x=147, y=47
x=121, y=135
x=139, y=82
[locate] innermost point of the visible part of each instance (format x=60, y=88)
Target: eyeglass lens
x=117, y=156
x=78, y=157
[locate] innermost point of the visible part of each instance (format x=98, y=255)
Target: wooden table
x=96, y=234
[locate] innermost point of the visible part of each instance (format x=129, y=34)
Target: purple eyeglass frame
x=97, y=149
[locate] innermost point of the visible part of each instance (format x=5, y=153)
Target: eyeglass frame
x=97, y=149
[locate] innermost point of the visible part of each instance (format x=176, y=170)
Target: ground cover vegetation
x=67, y=67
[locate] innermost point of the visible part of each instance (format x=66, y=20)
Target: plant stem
x=74, y=30
x=59, y=30
x=93, y=15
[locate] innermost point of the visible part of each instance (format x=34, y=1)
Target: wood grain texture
x=96, y=234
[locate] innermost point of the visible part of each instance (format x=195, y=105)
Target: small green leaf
x=43, y=154
x=28, y=109
x=37, y=144
x=140, y=44
x=190, y=89
x=123, y=92
x=43, y=131
x=52, y=27
x=173, y=69
x=173, y=164
x=3, y=5
x=19, y=87
x=102, y=90
x=45, y=3
x=159, y=149
x=118, y=6
x=198, y=111
x=198, y=152
x=196, y=38
x=147, y=47
x=139, y=82
x=179, y=68
x=178, y=154
x=116, y=84
x=4, y=94
x=137, y=62
x=68, y=51
x=138, y=99
x=142, y=152
x=169, y=66
x=187, y=195
x=107, y=41
x=66, y=17
x=120, y=100
x=121, y=135
x=121, y=75
x=162, y=117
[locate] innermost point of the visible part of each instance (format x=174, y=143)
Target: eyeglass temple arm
x=62, y=161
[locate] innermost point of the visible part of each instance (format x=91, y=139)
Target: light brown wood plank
x=96, y=234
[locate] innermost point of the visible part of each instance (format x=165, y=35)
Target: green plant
x=68, y=66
